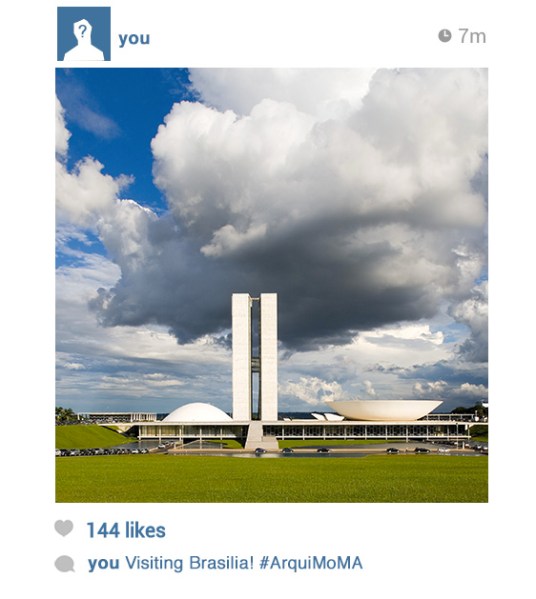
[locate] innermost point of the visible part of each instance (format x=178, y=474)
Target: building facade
x=254, y=329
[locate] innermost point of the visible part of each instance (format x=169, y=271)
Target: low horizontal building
x=255, y=355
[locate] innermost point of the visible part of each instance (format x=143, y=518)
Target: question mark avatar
x=84, y=49
x=82, y=31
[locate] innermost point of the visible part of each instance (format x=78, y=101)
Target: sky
x=358, y=196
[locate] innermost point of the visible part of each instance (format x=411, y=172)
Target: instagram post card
x=262, y=243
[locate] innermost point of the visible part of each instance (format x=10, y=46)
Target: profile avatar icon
x=84, y=50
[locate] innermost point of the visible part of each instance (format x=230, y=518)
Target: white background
x=440, y=550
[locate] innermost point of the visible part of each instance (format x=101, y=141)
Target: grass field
x=87, y=436
x=370, y=479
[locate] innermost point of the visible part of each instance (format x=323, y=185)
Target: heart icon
x=63, y=527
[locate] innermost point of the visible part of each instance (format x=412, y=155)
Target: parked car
x=322, y=450
x=260, y=450
x=392, y=450
x=287, y=450
x=422, y=450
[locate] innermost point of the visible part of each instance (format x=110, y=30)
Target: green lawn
x=370, y=479
x=226, y=443
x=78, y=436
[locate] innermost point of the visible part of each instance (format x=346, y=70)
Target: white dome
x=197, y=412
x=390, y=410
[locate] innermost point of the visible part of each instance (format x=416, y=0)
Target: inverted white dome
x=197, y=412
x=384, y=409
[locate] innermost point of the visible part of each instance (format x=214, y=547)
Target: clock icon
x=445, y=35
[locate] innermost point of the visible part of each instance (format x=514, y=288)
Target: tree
x=65, y=415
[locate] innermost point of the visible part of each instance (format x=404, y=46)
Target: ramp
x=256, y=439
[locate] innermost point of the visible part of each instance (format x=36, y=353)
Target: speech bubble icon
x=63, y=527
x=64, y=563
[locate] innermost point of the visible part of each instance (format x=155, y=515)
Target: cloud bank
x=359, y=197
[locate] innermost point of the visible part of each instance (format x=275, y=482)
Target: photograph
x=271, y=284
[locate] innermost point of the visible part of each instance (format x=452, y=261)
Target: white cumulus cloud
x=312, y=390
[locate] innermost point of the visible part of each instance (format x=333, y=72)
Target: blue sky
x=113, y=115
x=360, y=197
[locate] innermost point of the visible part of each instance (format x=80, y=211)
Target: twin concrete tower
x=254, y=353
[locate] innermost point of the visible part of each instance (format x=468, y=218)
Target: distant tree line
x=65, y=416
x=477, y=409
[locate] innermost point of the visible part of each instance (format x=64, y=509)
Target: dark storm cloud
x=325, y=296
x=452, y=373
x=367, y=219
